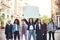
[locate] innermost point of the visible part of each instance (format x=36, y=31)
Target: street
x=57, y=35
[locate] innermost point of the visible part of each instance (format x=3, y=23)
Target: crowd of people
x=38, y=29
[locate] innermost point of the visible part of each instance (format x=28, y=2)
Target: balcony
x=5, y=5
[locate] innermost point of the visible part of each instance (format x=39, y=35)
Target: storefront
x=55, y=5
x=58, y=19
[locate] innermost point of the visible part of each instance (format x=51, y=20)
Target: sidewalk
x=57, y=31
x=2, y=35
x=57, y=35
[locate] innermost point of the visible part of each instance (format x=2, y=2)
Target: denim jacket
x=53, y=29
x=14, y=28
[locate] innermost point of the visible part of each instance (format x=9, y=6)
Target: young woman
x=39, y=31
x=51, y=29
x=16, y=29
x=8, y=30
x=23, y=29
x=44, y=27
x=31, y=28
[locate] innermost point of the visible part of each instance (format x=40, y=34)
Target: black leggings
x=52, y=35
x=9, y=36
x=45, y=36
x=16, y=34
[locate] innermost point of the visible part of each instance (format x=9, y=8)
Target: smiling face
x=16, y=21
x=51, y=20
x=9, y=21
x=31, y=20
x=42, y=21
x=23, y=21
x=39, y=21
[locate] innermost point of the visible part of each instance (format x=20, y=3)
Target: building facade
x=11, y=9
x=55, y=11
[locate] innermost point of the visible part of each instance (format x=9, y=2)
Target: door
x=58, y=22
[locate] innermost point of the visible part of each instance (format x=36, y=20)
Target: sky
x=44, y=6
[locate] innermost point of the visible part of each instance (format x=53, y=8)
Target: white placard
x=31, y=12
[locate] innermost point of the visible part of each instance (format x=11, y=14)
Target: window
x=8, y=0
x=59, y=22
x=7, y=16
x=11, y=16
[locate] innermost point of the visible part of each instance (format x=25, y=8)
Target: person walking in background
x=8, y=30
x=51, y=27
x=44, y=27
x=39, y=31
x=16, y=29
x=24, y=29
x=31, y=28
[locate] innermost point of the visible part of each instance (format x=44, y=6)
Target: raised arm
x=36, y=21
x=36, y=28
x=26, y=21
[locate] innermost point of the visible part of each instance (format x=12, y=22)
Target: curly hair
x=17, y=21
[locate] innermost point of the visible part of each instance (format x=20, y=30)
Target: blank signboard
x=31, y=12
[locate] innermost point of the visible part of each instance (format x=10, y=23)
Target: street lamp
x=39, y=15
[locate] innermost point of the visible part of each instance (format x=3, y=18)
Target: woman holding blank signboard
x=31, y=28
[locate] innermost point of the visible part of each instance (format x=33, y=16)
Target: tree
x=46, y=18
x=2, y=17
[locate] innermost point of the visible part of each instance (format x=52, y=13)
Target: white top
x=39, y=26
x=51, y=26
x=9, y=24
x=16, y=27
x=31, y=27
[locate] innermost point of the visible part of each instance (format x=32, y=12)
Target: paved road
x=2, y=35
x=57, y=35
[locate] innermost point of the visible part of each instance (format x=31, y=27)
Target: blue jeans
x=31, y=32
x=25, y=36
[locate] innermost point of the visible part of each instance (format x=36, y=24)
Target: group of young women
x=38, y=29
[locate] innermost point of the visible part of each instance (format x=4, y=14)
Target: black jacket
x=39, y=33
x=8, y=29
x=44, y=27
x=29, y=24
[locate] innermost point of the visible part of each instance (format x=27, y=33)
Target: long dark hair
x=18, y=23
x=38, y=22
x=51, y=20
x=31, y=19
